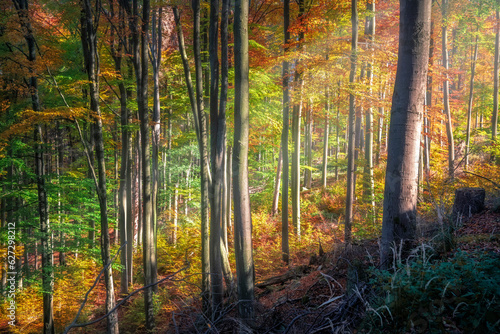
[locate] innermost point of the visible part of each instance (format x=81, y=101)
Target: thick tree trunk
x=401, y=181
x=469, y=107
x=242, y=217
x=351, y=183
x=285, y=249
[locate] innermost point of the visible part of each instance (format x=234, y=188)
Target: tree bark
x=274, y=210
x=204, y=167
x=494, y=116
x=242, y=217
x=351, y=183
x=368, y=169
x=324, y=168
x=285, y=249
x=156, y=44
x=89, y=40
x=446, y=91
x=217, y=132
x=401, y=181
x=469, y=107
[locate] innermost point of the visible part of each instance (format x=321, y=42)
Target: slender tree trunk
x=156, y=45
x=308, y=145
x=229, y=185
x=43, y=206
x=203, y=148
x=276, y=193
x=494, y=116
x=401, y=182
x=242, y=217
x=351, y=167
x=381, y=116
x=324, y=168
x=446, y=92
x=469, y=107
x=285, y=249
x=89, y=40
x=368, y=170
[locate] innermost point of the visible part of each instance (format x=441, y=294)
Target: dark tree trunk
x=351, y=166
x=285, y=249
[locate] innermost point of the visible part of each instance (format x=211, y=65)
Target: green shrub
x=460, y=294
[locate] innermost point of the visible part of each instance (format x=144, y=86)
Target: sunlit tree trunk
x=324, y=168
x=401, y=181
x=446, y=91
x=242, y=217
x=469, y=107
x=276, y=193
x=368, y=170
x=308, y=145
x=494, y=116
x=351, y=185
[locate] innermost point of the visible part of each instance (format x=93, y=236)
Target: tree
x=242, y=216
x=351, y=167
x=446, y=90
x=203, y=149
x=285, y=249
x=494, y=116
x=217, y=136
x=401, y=180
x=43, y=206
x=89, y=44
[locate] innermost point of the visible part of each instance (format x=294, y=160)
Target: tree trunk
x=242, y=217
x=203, y=148
x=274, y=210
x=43, y=206
x=446, y=92
x=351, y=183
x=368, y=170
x=285, y=249
x=401, y=181
x=469, y=107
x=156, y=45
x=308, y=146
x=89, y=40
x=494, y=116
x=324, y=168
x=217, y=132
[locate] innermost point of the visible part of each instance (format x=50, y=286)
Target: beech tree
x=242, y=216
x=401, y=179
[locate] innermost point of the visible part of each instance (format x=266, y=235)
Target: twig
x=91, y=288
x=496, y=184
x=74, y=325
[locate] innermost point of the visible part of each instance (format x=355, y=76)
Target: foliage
x=435, y=296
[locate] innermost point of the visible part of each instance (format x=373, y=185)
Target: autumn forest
x=249, y=166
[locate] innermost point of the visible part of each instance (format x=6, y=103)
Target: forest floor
x=330, y=292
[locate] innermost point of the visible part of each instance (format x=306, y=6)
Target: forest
x=249, y=166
